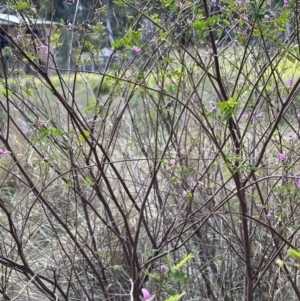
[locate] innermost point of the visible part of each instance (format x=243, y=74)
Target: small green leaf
x=56, y=41
x=175, y=297
x=181, y=277
x=89, y=182
x=55, y=131
x=200, y=25
x=174, y=180
x=155, y=18
x=5, y=91
x=99, y=28
x=21, y=5
x=51, y=131
x=131, y=39
x=295, y=254
x=68, y=185
x=82, y=138
x=179, y=265
x=291, y=58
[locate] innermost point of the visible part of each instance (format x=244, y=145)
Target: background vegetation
x=168, y=172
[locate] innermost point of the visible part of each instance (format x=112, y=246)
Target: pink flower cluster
x=146, y=294
x=137, y=49
x=45, y=49
x=3, y=153
x=289, y=83
x=242, y=2
x=193, y=185
x=282, y=156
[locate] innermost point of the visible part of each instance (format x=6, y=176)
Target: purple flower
x=171, y=164
x=45, y=49
x=41, y=122
x=2, y=153
x=146, y=294
x=209, y=53
x=137, y=49
x=298, y=115
x=164, y=269
x=239, y=3
x=298, y=183
x=193, y=184
x=244, y=116
x=70, y=25
x=282, y=156
x=289, y=83
x=92, y=121
x=180, y=4
x=285, y=3
x=267, y=17
x=258, y=117
x=184, y=193
x=269, y=214
x=291, y=137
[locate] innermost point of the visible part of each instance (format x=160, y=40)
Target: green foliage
x=56, y=40
x=156, y=18
x=228, y=107
x=98, y=28
x=132, y=38
x=4, y=91
x=51, y=131
x=83, y=137
x=88, y=182
x=168, y=4
x=187, y=171
x=283, y=19
x=294, y=254
x=182, y=263
x=92, y=108
x=21, y=5
x=175, y=297
x=202, y=25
